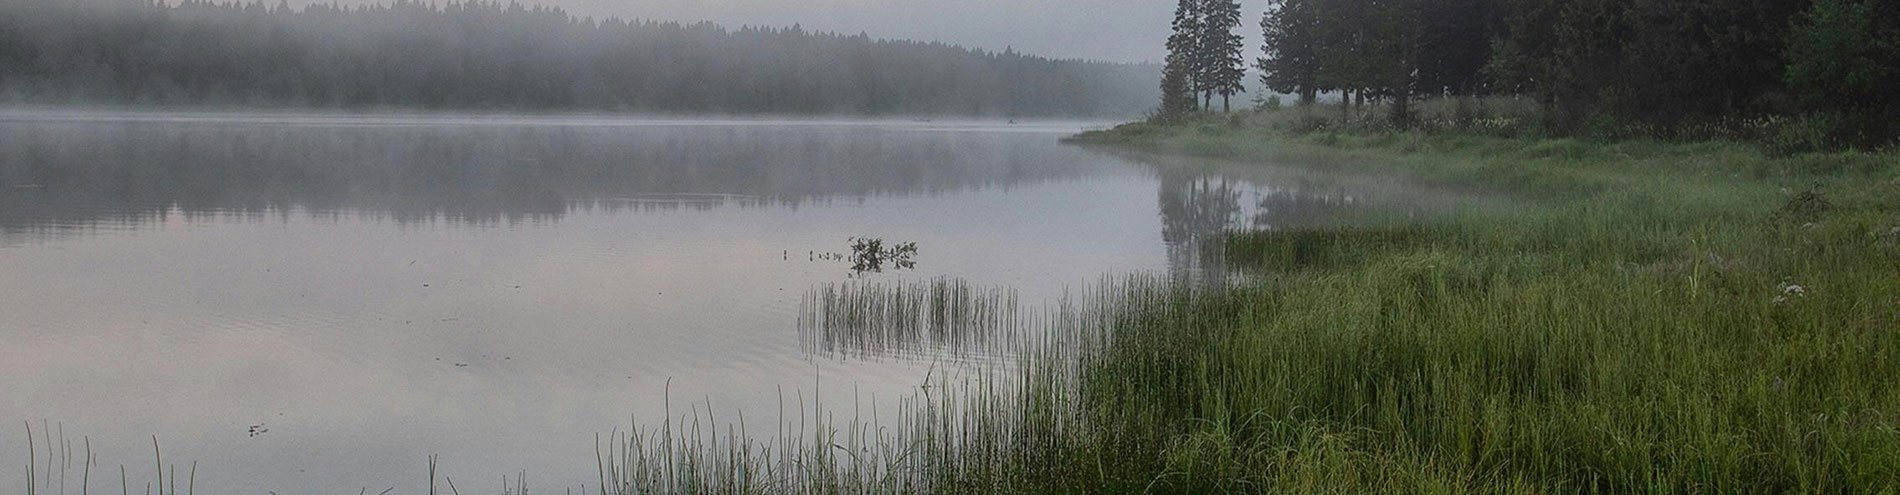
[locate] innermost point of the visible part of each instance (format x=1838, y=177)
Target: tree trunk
x=1401, y=110
x=1226, y=106
x=1308, y=96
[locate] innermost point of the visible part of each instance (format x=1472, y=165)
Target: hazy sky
x=1115, y=30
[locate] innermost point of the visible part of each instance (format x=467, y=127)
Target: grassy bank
x=1646, y=317
x=1636, y=317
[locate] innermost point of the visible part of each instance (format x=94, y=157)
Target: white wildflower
x=1789, y=291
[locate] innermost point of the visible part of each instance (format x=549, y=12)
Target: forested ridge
x=484, y=55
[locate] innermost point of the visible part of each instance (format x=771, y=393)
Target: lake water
x=316, y=303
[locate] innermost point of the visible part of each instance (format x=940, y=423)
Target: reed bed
x=1642, y=317
x=939, y=316
x=997, y=432
x=52, y=473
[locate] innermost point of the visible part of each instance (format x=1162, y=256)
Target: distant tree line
x=1656, y=62
x=488, y=55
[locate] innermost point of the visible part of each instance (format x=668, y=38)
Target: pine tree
x=1184, y=46
x=1221, y=51
x=1177, y=94
x=1289, y=33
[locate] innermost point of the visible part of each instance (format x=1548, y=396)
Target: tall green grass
x=1006, y=432
x=1638, y=317
x=53, y=472
x=1518, y=117
x=940, y=317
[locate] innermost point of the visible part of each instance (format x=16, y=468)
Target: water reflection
x=1195, y=211
x=65, y=173
x=1198, y=203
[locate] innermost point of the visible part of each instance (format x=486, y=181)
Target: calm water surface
x=317, y=303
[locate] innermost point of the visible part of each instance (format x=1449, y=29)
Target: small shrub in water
x=870, y=255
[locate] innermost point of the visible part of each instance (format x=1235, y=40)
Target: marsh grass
x=1001, y=432
x=939, y=316
x=50, y=474
x=1314, y=248
x=1520, y=117
x=1641, y=317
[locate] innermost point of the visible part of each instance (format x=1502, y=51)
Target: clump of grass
x=59, y=460
x=867, y=318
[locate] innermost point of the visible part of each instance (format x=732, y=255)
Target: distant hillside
x=490, y=56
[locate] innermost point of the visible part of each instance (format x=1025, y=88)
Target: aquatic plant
x=59, y=452
x=948, y=316
x=871, y=255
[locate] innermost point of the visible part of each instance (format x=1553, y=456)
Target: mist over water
x=496, y=56
x=370, y=290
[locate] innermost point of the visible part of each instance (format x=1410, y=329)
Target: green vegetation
x=1207, y=53
x=1645, y=316
x=1638, y=316
x=869, y=254
x=864, y=318
x=1664, y=65
x=50, y=462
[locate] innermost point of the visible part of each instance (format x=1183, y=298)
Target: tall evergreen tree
x=1397, y=35
x=1225, y=69
x=1343, y=34
x=1177, y=93
x=1455, y=44
x=1844, y=61
x=1834, y=55
x=1185, y=43
x=1288, y=38
x=1646, y=60
x=1664, y=63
